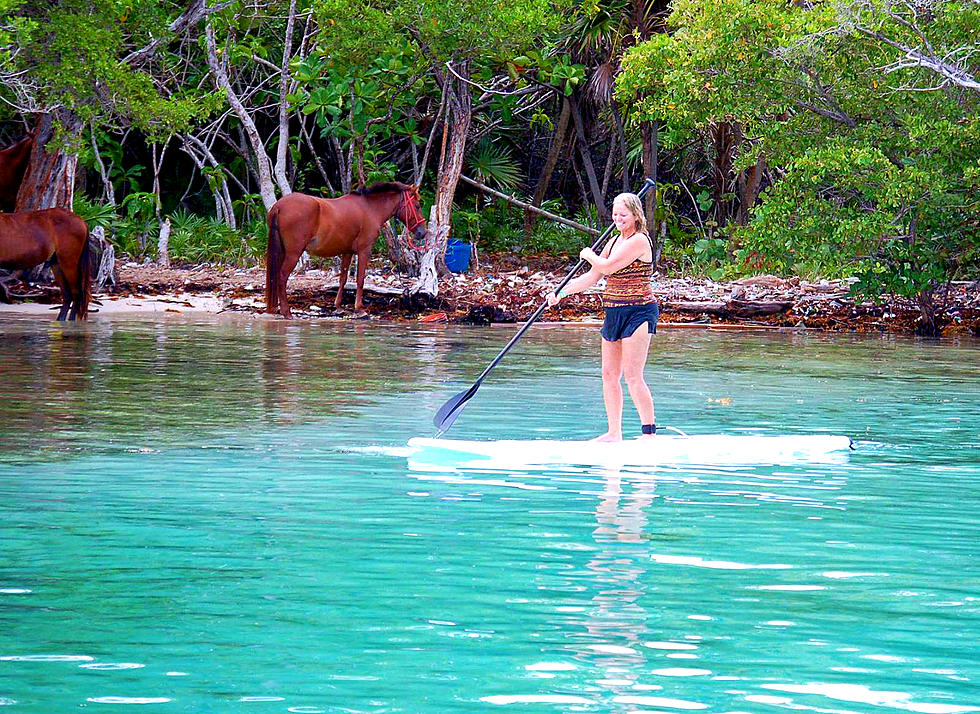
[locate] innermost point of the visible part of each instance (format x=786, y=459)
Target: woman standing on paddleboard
x=627, y=264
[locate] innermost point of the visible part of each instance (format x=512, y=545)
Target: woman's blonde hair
x=632, y=203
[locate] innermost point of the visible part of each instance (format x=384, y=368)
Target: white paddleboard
x=707, y=449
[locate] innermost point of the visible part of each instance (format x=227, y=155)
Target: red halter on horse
x=345, y=226
x=29, y=238
x=13, y=165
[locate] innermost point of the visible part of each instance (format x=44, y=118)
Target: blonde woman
x=627, y=264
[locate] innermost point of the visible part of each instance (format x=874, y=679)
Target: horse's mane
x=384, y=187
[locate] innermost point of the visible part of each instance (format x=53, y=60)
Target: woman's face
x=623, y=217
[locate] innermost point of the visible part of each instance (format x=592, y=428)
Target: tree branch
x=196, y=10
x=528, y=206
x=951, y=73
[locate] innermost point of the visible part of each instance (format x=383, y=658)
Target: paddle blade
x=448, y=412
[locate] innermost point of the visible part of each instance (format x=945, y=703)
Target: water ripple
x=861, y=694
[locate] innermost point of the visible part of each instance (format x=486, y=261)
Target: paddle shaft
x=537, y=313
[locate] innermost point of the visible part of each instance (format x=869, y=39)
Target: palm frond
x=494, y=165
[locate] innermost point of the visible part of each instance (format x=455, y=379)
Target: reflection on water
x=153, y=379
x=221, y=517
x=615, y=622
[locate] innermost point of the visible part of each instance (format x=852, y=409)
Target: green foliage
x=347, y=100
x=96, y=214
x=499, y=227
x=73, y=53
x=494, y=165
x=139, y=206
x=133, y=229
x=717, y=65
x=867, y=179
x=195, y=239
x=249, y=208
x=485, y=31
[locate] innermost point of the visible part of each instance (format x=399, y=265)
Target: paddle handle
x=647, y=185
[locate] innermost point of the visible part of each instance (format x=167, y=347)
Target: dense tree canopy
x=865, y=114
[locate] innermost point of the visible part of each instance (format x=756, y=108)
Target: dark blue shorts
x=622, y=322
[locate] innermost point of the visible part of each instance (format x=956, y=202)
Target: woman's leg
x=634, y=359
x=612, y=390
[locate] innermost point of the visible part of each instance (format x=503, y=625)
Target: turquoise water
x=219, y=517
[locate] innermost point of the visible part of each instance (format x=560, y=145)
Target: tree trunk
x=50, y=177
x=583, y=145
x=281, y=150
x=103, y=260
x=459, y=115
x=49, y=182
x=607, y=172
x=262, y=164
x=749, y=185
x=557, y=143
x=316, y=156
x=429, y=263
x=427, y=282
x=163, y=241
x=217, y=181
x=107, y=187
x=343, y=166
x=928, y=323
x=651, y=134
x=460, y=106
x=723, y=137
x=623, y=146
x=583, y=191
x=163, y=244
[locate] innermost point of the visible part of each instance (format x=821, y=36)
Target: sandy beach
x=507, y=291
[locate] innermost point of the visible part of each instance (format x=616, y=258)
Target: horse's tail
x=83, y=283
x=273, y=263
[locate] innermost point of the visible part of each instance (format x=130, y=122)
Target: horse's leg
x=4, y=289
x=288, y=263
x=362, y=262
x=67, y=276
x=344, y=269
x=66, y=293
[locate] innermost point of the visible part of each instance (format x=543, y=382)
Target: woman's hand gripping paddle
x=448, y=412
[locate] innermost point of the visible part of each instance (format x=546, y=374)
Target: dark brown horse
x=29, y=238
x=13, y=164
x=345, y=226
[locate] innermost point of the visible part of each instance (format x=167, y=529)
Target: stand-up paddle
x=448, y=412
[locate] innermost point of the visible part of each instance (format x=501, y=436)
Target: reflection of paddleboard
x=705, y=449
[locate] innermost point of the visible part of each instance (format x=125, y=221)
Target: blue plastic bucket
x=458, y=255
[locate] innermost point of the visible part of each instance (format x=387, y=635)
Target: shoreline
x=502, y=295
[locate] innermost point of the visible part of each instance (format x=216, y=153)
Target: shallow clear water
x=200, y=517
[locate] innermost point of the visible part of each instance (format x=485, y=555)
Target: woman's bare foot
x=608, y=438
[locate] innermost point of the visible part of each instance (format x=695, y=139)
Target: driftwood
x=103, y=260
x=746, y=308
x=731, y=308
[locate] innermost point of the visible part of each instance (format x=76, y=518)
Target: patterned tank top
x=630, y=285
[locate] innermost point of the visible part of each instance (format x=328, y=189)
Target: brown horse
x=13, y=165
x=345, y=226
x=29, y=238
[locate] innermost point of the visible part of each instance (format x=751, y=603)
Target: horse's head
x=410, y=212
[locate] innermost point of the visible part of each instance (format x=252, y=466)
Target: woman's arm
x=577, y=285
x=622, y=254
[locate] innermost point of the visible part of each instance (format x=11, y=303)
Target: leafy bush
x=196, y=239
x=499, y=227
x=193, y=238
